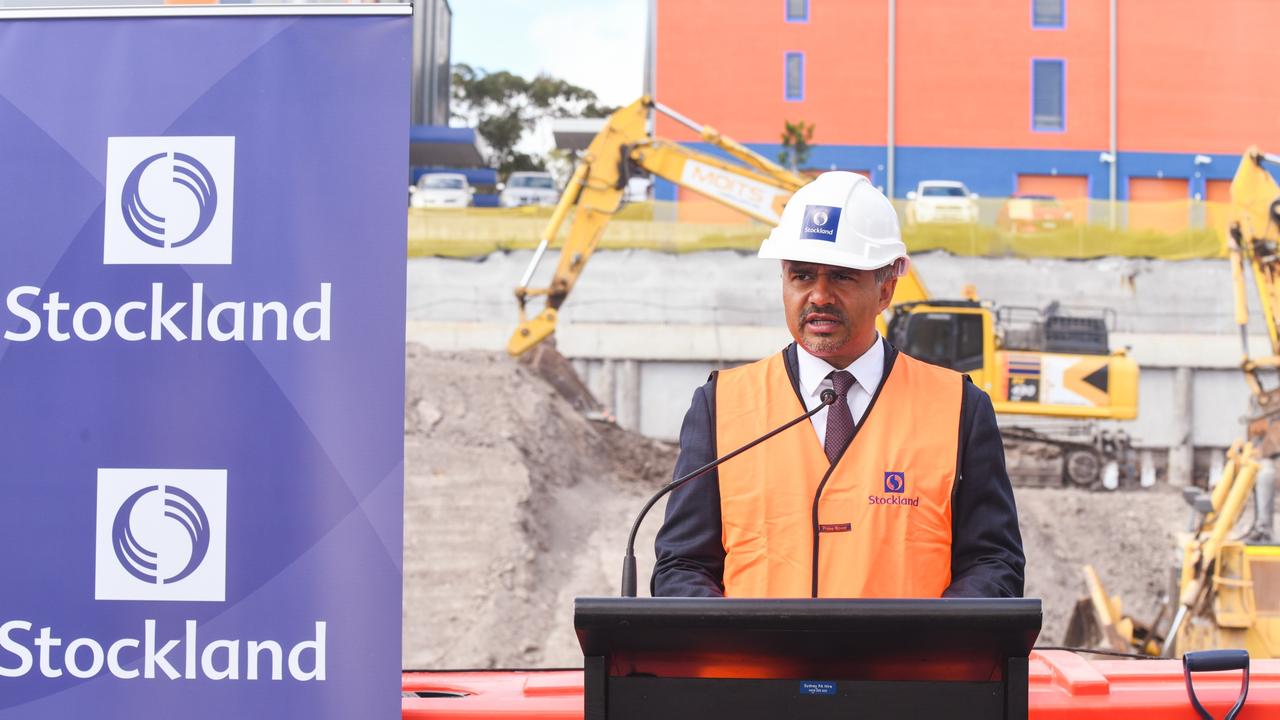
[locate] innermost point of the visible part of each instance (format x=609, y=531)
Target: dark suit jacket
x=986, y=547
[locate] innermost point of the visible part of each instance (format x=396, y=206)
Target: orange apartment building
x=1008, y=96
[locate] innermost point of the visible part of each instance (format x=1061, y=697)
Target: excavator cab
x=1029, y=360
x=947, y=334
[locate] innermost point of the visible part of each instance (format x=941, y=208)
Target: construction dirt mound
x=516, y=502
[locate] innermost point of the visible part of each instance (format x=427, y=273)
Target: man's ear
x=886, y=292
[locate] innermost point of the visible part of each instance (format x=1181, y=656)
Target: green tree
x=503, y=106
x=797, y=141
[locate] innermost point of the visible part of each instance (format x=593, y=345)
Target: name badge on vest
x=835, y=527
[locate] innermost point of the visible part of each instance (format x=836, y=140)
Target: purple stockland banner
x=202, y=263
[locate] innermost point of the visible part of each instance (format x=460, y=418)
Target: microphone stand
x=629, y=561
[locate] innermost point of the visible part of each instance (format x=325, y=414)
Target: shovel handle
x=1215, y=661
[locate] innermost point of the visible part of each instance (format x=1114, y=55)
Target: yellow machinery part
x=1065, y=387
x=1233, y=604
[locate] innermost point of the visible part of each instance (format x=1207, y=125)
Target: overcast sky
x=597, y=44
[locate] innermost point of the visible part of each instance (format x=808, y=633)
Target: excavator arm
x=753, y=185
x=1253, y=239
x=1254, y=236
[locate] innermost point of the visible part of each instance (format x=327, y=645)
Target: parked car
x=1033, y=213
x=441, y=190
x=941, y=201
x=529, y=188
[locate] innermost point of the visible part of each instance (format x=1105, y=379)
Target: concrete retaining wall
x=645, y=329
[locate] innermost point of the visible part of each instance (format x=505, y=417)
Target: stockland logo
x=161, y=535
x=169, y=200
x=820, y=222
x=895, y=487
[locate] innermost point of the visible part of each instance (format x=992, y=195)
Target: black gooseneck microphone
x=828, y=398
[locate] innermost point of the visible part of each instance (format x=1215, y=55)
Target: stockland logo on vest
x=820, y=222
x=169, y=201
x=161, y=536
x=895, y=488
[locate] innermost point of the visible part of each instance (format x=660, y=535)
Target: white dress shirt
x=867, y=370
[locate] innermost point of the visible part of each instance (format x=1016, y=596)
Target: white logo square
x=161, y=535
x=169, y=200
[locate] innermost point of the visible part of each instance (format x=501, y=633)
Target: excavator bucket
x=1098, y=620
x=532, y=332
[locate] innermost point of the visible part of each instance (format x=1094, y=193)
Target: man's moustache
x=831, y=310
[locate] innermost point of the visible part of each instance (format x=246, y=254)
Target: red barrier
x=1062, y=685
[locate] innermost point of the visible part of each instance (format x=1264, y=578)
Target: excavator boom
x=753, y=185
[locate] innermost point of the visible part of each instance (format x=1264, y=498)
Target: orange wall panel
x=1071, y=190
x=1144, y=189
x=964, y=74
x=1063, y=187
x=1218, y=191
x=1217, y=195
x=1197, y=77
x=1158, y=204
x=722, y=64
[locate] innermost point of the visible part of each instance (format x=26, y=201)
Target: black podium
x=735, y=659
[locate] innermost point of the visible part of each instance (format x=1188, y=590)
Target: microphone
x=828, y=397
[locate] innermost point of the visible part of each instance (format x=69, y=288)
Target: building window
x=1049, y=14
x=1048, y=95
x=797, y=10
x=794, y=72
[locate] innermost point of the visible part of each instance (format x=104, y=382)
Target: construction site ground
x=516, y=502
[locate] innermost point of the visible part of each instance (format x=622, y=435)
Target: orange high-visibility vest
x=881, y=518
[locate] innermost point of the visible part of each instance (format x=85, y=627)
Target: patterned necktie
x=839, y=418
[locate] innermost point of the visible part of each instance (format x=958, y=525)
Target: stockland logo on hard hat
x=169, y=200
x=820, y=223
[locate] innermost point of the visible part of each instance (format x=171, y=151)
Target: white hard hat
x=838, y=219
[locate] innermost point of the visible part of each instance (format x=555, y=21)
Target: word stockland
x=139, y=320
x=219, y=660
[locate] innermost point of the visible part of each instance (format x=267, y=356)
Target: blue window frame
x=797, y=10
x=1049, y=14
x=1048, y=95
x=793, y=76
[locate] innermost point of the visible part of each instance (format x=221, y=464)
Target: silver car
x=441, y=190
x=529, y=188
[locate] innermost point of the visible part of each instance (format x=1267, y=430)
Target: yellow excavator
x=1254, y=241
x=1228, y=586
x=1031, y=361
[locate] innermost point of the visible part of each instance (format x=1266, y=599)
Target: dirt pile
x=515, y=503
x=1128, y=537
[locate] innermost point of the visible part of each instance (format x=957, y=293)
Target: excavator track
x=1035, y=459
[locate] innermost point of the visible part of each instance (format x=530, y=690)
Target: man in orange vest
x=897, y=489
